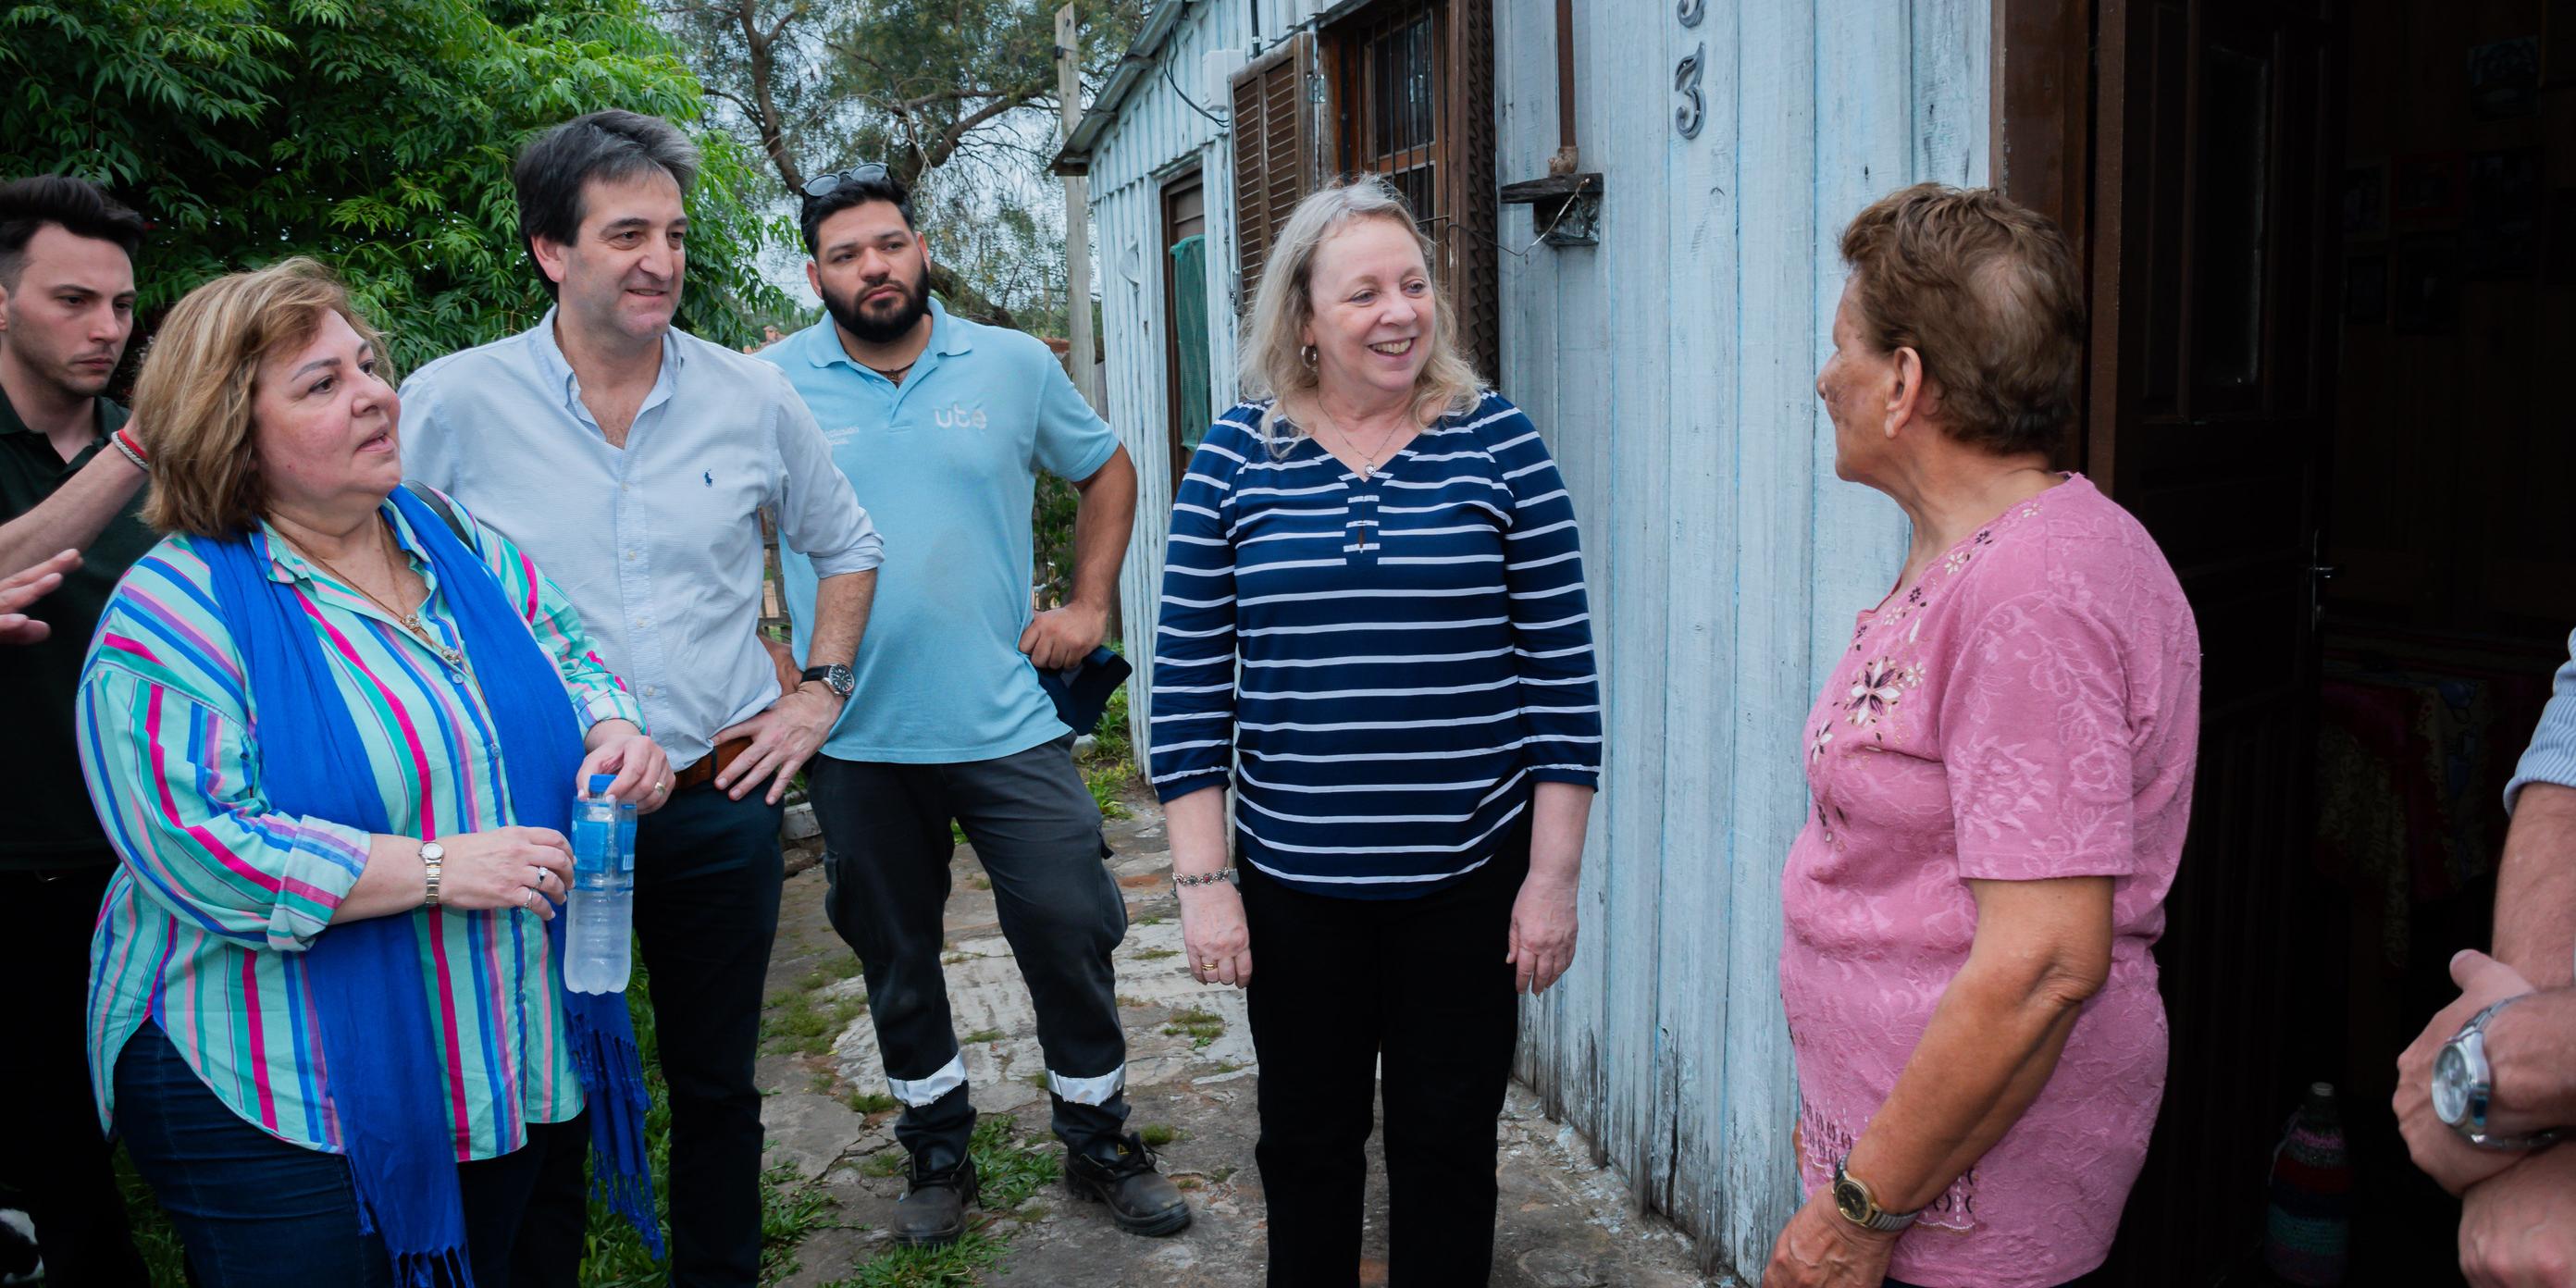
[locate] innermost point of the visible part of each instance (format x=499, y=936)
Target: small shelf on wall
x=1564, y=208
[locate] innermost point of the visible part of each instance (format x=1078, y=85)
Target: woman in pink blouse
x=2001, y=768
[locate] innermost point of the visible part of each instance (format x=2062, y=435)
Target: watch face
x=2450, y=1085
x=1851, y=1200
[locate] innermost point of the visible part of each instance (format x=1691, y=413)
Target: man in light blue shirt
x=942, y=425
x=633, y=461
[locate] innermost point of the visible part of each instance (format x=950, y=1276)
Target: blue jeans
x=254, y=1210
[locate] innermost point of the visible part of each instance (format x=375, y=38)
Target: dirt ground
x=1565, y=1223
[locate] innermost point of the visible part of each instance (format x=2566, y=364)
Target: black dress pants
x=1339, y=985
x=1035, y=828
x=54, y=1160
x=707, y=874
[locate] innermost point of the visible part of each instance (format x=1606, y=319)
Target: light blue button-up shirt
x=658, y=544
x=2551, y=757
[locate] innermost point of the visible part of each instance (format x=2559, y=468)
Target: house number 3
x=1693, y=111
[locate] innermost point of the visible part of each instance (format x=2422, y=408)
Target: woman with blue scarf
x=334, y=728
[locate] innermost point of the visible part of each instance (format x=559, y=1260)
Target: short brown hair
x=1986, y=291
x=193, y=400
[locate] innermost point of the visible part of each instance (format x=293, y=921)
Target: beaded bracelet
x=133, y=451
x=1186, y=879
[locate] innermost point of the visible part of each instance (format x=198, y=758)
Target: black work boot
x=933, y=1209
x=1119, y=1171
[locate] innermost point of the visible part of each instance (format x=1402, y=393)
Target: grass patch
x=984, y=1035
x=796, y=1025
x=1037, y=1079
x=884, y=1162
x=954, y=1266
x=1200, y=1027
x=1148, y=919
x=871, y=1102
x=1157, y=954
x=978, y=881
x=1008, y=1170
x=1158, y=1135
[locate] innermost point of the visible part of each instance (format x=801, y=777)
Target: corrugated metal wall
x=1672, y=368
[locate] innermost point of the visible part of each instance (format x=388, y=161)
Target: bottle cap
x=599, y=783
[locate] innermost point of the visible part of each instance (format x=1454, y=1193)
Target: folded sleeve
x=175, y=783
x=1560, y=690
x=819, y=516
x=1192, y=737
x=2036, y=743
x=2551, y=757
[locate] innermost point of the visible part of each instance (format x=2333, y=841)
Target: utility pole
x=1077, y=214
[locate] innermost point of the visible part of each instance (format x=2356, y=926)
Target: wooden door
x=2209, y=421
x=1185, y=319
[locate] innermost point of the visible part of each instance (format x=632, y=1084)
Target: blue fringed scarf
x=375, y=1025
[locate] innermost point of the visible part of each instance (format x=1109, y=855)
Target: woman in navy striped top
x=1374, y=630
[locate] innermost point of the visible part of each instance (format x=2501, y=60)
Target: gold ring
x=1207, y=965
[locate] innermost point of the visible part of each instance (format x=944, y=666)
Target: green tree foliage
x=374, y=135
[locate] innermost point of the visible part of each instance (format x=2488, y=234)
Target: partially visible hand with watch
x=1842, y=1238
x=2491, y=1078
x=788, y=734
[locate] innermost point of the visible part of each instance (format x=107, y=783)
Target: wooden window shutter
x=1274, y=154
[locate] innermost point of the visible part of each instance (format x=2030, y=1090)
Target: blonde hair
x=1268, y=362
x=193, y=400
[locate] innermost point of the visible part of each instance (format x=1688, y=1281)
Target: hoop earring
x=1309, y=356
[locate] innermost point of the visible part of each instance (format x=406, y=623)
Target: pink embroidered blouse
x=2027, y=709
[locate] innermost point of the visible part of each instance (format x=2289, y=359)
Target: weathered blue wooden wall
x=1672, y=367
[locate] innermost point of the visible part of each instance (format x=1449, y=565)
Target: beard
x=885, y=323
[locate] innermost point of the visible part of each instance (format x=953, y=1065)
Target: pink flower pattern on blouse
x=2028, y=709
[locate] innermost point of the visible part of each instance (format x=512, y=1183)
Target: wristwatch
x=1858, y=1206
x=836, y=677
x=2464, y=1086
x=432, y=855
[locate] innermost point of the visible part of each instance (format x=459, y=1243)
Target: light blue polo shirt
x=946, y=465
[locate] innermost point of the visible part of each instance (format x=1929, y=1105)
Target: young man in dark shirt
x=66, y=483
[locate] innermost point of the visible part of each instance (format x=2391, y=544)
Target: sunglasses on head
x=826, y=185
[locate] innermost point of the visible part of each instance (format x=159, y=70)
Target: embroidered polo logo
x=710, y=477
x=959, y=416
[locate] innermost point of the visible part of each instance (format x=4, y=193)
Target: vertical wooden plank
x=1864, y=149
x=1701, y=258
x=1776, y=59
x=1953, y=124
x=1634, y=403
x=1525, y=90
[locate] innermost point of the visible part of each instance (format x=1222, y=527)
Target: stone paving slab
x=1565, y=1222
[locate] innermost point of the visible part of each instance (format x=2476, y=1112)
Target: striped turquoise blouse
x=204, y=925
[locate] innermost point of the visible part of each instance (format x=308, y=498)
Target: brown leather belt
x=709, y=765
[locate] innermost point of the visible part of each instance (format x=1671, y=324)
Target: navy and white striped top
x=1415, y=649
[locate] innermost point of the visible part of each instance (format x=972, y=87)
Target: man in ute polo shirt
x=941, y=425
x=71, y=477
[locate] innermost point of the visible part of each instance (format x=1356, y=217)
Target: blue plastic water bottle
x=598, y=938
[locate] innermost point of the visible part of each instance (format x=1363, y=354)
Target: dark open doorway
x=2325, y=287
